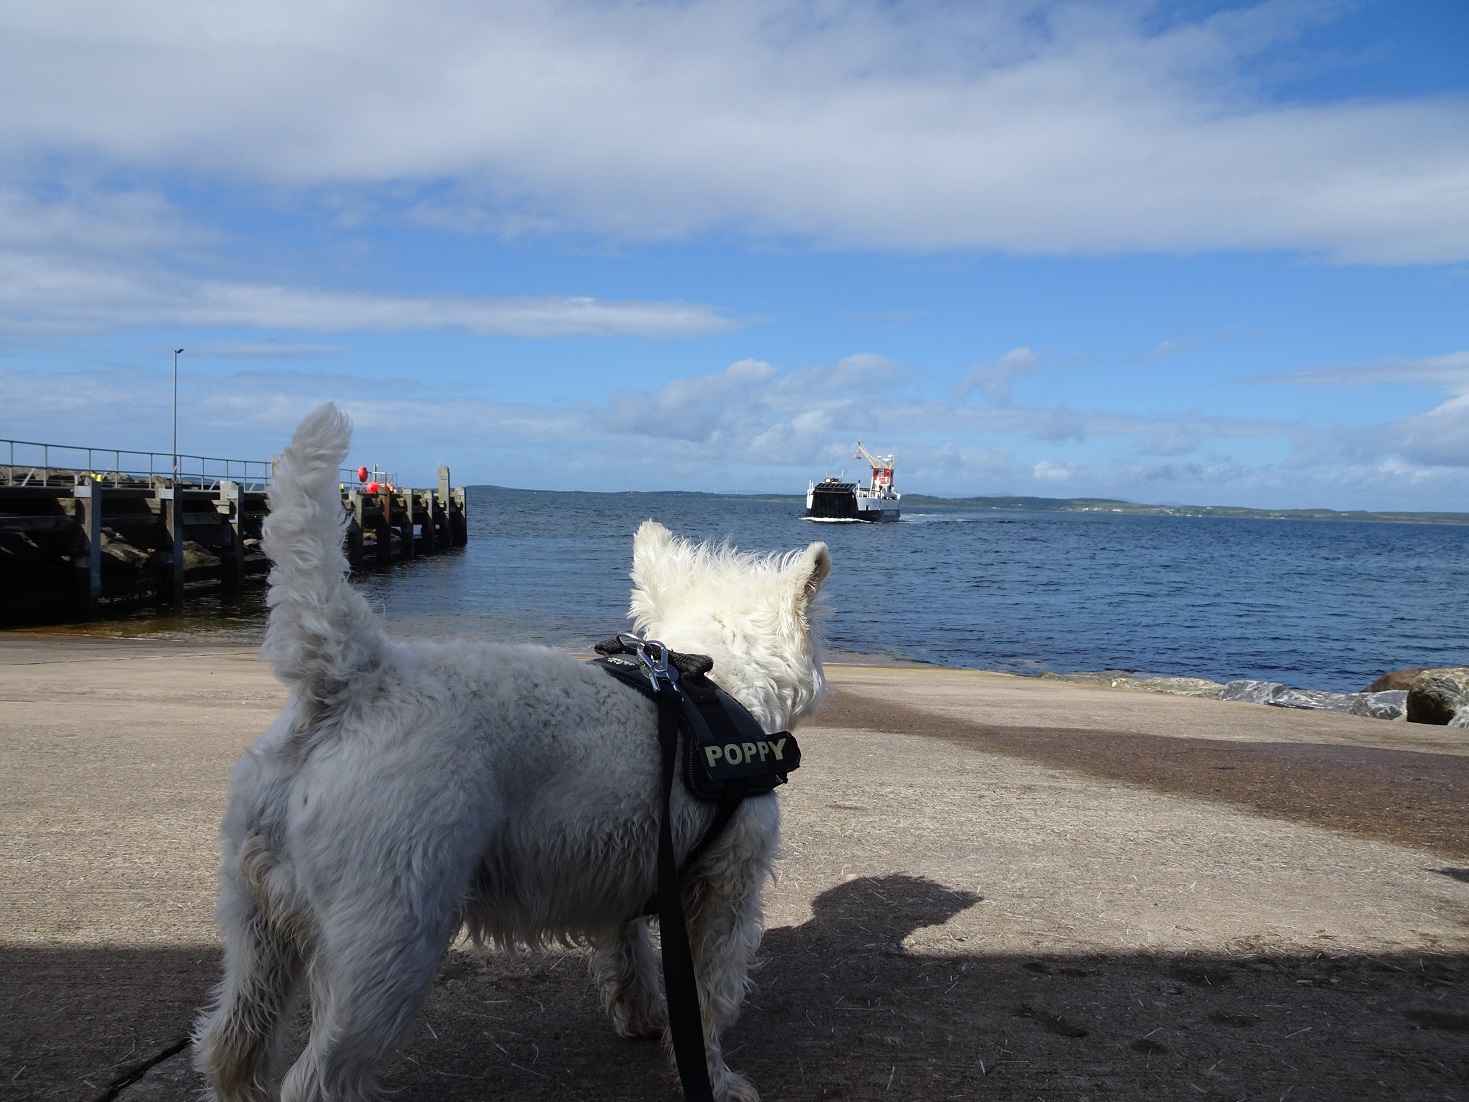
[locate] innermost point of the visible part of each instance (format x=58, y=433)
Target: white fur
x=411, y=789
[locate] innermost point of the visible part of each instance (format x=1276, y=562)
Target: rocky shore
x=1438, y=696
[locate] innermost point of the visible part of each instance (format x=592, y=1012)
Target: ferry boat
x=835, y=502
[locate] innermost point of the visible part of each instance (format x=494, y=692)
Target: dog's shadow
x=542, y=1033
x=847, y=1007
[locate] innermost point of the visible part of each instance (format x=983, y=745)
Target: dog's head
x=750, y=613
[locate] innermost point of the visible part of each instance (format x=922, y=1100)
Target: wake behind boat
x=836, y=502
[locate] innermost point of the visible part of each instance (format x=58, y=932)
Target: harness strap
x=729, y=802
x=716, y=720
x=713, y=716
x=685, y=1024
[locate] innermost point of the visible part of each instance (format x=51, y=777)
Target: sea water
x=1316, y=604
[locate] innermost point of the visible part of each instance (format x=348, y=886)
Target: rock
x=1392, y=682
x=1435, y=696
x=1105, y=677
x=1380, y=705
x=1316, y=700
x=1252, y=692
x=1461, y=718
x=123, y=551
x=1388, y=704
x=1123, y=679
x=1176, y=686
x=19, y=547
x=196, y=554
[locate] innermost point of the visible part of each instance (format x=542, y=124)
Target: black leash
x=685, y=1023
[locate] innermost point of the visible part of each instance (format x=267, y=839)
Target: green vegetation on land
x=1013, y=503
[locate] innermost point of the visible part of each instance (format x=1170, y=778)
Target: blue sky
x=1175, y=252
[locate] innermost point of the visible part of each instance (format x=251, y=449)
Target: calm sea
x=1325, y=605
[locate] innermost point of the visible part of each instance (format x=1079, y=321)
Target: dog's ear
x=811, y=570
x=650, y=539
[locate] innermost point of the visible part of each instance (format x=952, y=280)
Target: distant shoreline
x=1014, y=503
x=1107, y=505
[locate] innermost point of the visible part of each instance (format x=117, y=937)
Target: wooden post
x=232, y=558
x=446, y=501
x=171, y=500
x=89, y=496
x=384, y=528
x=354, y=526
x=409, y=548
x=438, y=530
x=426, y=511
x=461, y=517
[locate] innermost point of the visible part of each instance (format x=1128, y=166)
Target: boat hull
x=849, y=506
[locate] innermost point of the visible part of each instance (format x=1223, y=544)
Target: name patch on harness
x=743, y=759
x=723, y=744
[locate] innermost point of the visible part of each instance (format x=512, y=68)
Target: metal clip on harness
x=653, y=654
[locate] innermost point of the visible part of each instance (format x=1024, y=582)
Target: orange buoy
x=361, y=474
x=373, y=487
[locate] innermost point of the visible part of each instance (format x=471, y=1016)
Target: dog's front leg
x=625, y=965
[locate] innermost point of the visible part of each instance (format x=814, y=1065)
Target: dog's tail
x=321, y=632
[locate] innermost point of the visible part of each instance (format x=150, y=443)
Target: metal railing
x=350, y=477
x=32, y=463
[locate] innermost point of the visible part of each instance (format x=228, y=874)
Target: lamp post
x=176, y=352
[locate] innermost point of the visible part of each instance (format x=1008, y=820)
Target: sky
x=1186, y=252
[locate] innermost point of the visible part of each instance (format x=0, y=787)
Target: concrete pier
x=74, y=541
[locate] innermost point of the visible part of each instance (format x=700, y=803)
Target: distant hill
x=1014, y=503
x=1017, y=504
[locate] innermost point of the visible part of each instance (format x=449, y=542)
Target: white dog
x=411, y=789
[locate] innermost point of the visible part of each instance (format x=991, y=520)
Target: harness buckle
x=653, y=654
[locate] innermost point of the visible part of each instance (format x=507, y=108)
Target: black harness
x=727, y=756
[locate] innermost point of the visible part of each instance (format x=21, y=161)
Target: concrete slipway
x=995, y=888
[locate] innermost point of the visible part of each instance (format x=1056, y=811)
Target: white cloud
x=1046, y=471
x=994, y=379
x=43, y=294
x=89, y=262
x=756, y=426
x=865, y=372
x=1397, y=469
x=1438, y=438
x=260, y=350
x=1450, y=370
x=1433, y=441
x=696, y=409
x=93, y=222
x=1018, y=126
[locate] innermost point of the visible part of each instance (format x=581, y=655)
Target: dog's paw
x=636, y=1020
x=737, y=1089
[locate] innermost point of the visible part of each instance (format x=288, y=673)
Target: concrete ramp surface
x=994, y=888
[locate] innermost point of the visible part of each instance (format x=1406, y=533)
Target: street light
x=176, y=352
